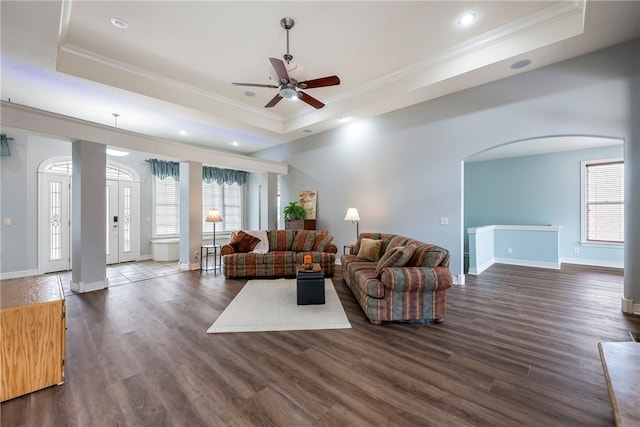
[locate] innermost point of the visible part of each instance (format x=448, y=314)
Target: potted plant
x=294, y=215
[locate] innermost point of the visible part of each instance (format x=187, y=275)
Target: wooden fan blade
x=310, y=100
x=254, y=85
x=281, y=70
x=273, y=101
x=321, y=82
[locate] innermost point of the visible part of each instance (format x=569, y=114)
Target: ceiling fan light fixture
x=288, y=93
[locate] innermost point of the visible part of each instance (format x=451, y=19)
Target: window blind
x=167, y=207
x=605, y=202
x=228, y=199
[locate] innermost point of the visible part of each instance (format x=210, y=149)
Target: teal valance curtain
x=163, y=169
x=223, y=176
x=4, y=145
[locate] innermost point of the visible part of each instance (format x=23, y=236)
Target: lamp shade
x=352, y=215
x=214, y=215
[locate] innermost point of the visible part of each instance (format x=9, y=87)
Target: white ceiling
x=171, y=69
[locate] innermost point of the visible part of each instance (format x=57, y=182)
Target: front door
x=54, y=211
x=122, y=225
x=56, y=222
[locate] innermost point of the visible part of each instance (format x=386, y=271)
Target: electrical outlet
x=576, y=250
x=6, y=221
x=444, y=221
x=509, y=250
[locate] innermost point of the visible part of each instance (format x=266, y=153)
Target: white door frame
x=45, y=221
x=126, y=252
x=123, y=221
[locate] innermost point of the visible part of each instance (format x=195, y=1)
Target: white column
x=88, y=217
x=190, y=215
x=272, y=201
x=631, y=297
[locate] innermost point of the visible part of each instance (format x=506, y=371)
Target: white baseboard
x=528, y=263
x=144, y=257
x=593, y=263
x=18, y=274
x=477, y=270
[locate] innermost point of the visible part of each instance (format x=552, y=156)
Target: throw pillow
x=395, y=257
x=369, y=249
x=322, y=241
x=303, y=242
x=263, y=246
x=244, y=242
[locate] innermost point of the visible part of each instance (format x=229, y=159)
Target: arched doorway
x=54, y=214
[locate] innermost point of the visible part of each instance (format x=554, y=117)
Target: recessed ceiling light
x=249, y=93
x=235, y=143
x=116, y=153
x=183, y=132
x=119, y=23
x=467, y=19
x=344, y=118
x=520, y=64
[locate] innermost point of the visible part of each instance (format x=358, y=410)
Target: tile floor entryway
x=117, y=274
x=128, y=272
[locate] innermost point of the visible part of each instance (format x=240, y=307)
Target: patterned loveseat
x=287, y=249
x=396, y=278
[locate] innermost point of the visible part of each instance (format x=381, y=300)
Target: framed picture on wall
x=308, y=199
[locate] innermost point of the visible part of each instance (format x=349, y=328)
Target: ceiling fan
x=288, y=87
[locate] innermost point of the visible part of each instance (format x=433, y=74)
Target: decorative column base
x=82, y=287
x=629, y=307
x=188, y=266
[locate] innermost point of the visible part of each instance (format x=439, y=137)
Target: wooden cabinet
x=32, y=337
x=300, y=224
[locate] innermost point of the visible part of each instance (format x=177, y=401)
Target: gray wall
x=404, y=170
x=19, y=198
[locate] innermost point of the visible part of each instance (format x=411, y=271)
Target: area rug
x=270, y=305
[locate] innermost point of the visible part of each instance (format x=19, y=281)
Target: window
x=167, y=207
x=603, y=201
x=228, y=199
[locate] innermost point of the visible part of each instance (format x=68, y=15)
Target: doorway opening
x=54, y=214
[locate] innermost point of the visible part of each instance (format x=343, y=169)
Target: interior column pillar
x=631, y=297
x=190, y=215
x=88, y=225
x=272, y=201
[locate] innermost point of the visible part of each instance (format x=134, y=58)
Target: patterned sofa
x=287, y=249
x=396, y=278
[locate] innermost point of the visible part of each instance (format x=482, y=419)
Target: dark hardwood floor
x=518, y=348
